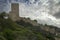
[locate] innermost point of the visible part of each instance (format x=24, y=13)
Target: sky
x=44, y=11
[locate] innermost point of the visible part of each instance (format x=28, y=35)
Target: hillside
x=21, y=30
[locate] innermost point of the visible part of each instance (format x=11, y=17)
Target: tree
x=35, y=20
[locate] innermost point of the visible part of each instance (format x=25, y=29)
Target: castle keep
x=14, y=13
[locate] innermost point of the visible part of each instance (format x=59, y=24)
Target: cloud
x=57, y=15
x=40, y=10
x=3, y=5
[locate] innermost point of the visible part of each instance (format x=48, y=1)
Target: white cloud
x=39, y=12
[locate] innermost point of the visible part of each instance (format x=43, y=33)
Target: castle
x=14, y=13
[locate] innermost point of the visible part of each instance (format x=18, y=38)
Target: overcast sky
x=45, y=11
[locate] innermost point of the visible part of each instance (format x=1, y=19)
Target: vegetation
x=20, y=30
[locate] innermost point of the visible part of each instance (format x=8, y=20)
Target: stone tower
x=14, y=14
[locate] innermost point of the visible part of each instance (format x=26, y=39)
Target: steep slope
x=9, y=30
